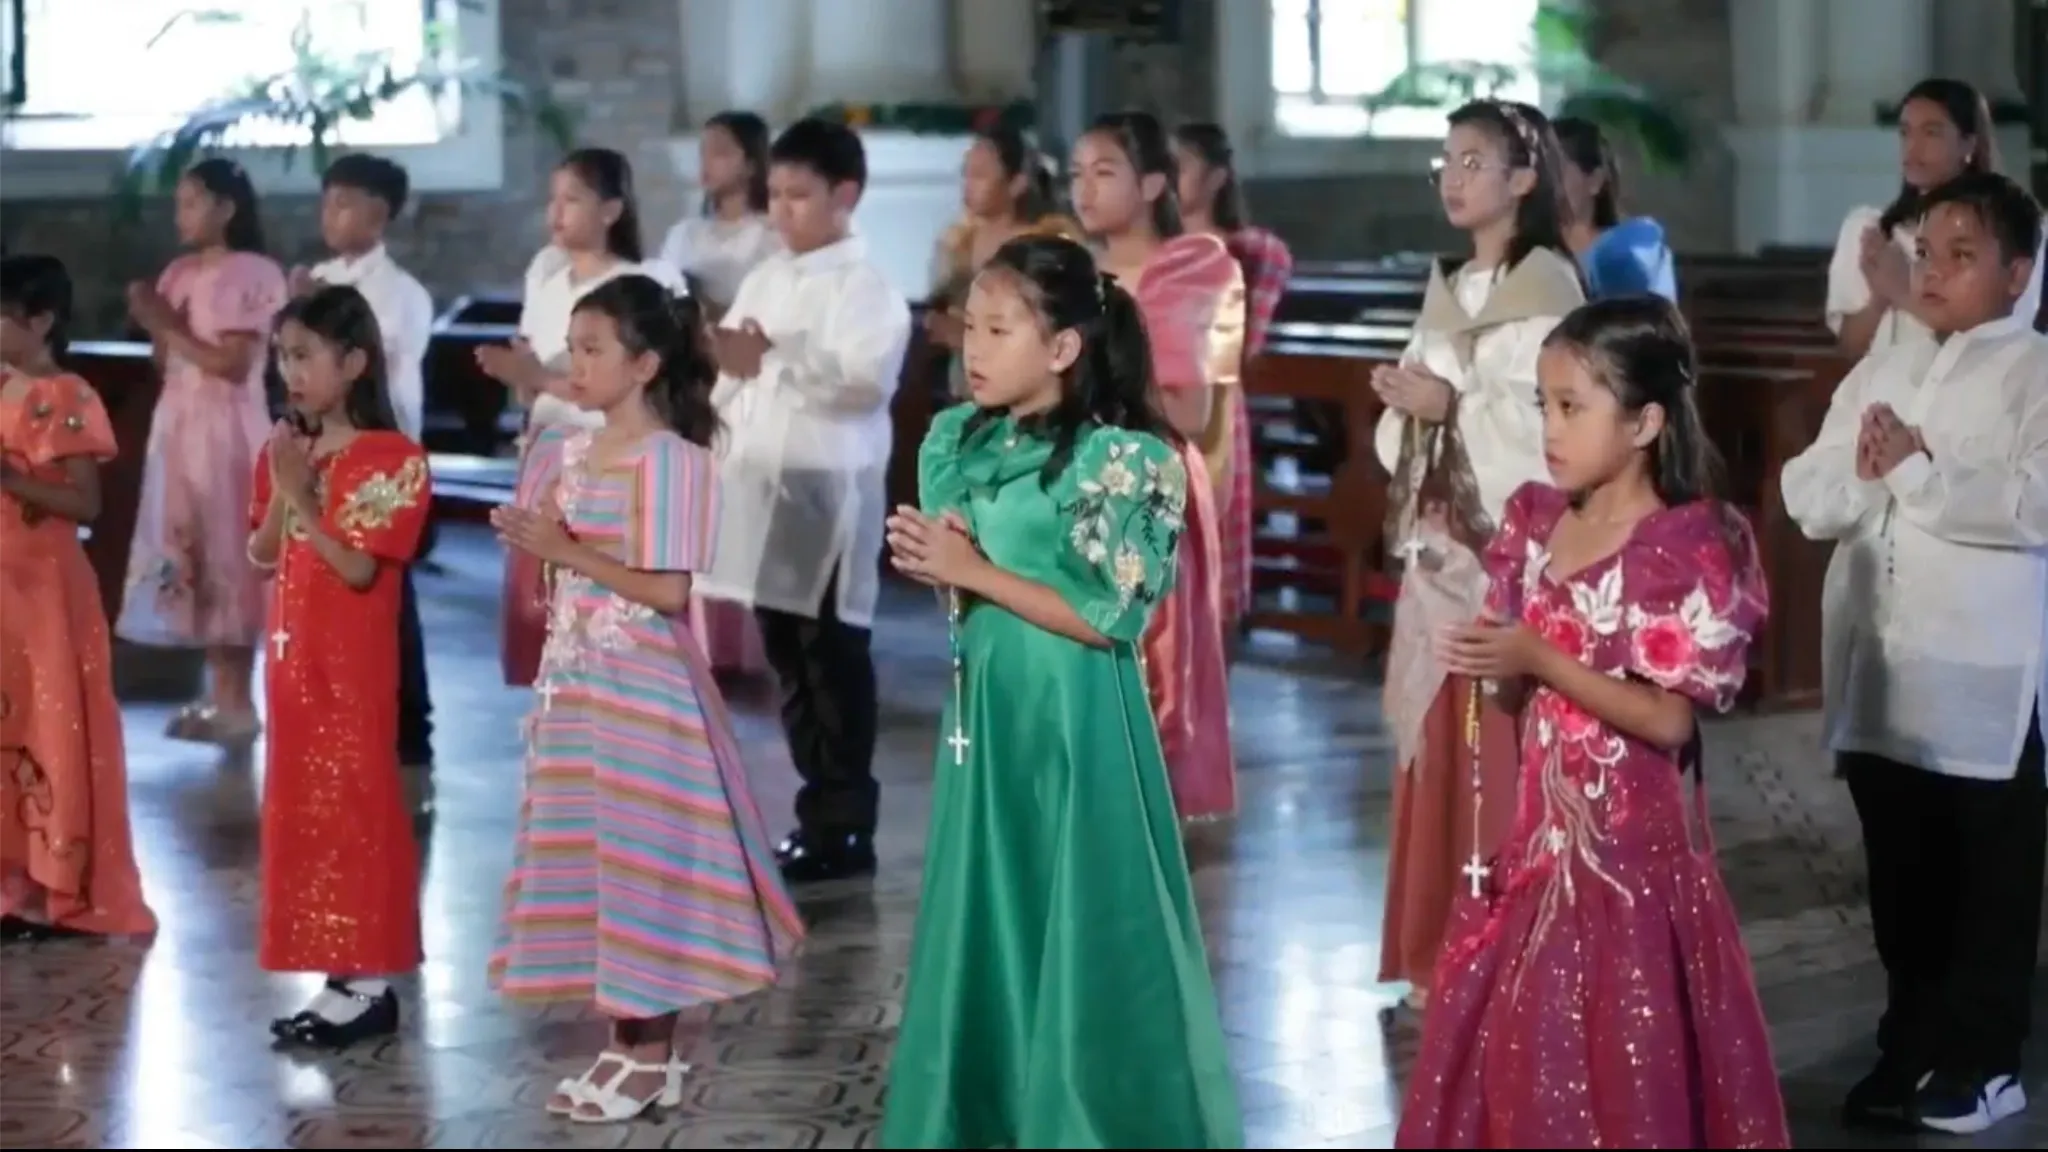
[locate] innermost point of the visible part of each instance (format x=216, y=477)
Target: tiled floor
x=162, y=1045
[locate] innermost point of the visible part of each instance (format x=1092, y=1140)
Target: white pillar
x=995, y=46
x=1974, y=42
x=879, y=51
x=1779, y=48
x=746, y=54
x=1876, y=49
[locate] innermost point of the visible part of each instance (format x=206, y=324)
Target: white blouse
x=1498, y=416
x=1849, y=292
x=550, y=297
x=1935, y=600
x=719, y=253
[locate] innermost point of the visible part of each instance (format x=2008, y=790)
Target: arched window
x=1339, y=67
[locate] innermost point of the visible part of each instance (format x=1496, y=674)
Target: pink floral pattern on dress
x=1597, y=994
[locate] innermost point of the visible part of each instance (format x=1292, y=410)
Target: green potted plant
x=319, y=93
x=1655, y=126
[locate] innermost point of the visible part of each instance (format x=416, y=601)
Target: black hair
x=1965, y=108
x=384, y=179
x=833, y=151
x=32, y=285
x=1584, y=146
x=224, y=179
x=1212, y=144
x=1525, y=134
x=1144, y=144
x=1111, y=382
x=650, y=319
x=750, y=132
x=2007, y=211
x=609, y=176
x=1640, y=349
x=1019, y=157
x=342, y=318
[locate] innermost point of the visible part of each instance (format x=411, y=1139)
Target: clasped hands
x=1414, y=391
x=1490, y=648
x=1883, y=441
x=934, y=550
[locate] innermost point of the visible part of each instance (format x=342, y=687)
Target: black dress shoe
x=378, y=1018
x=22, y=930
x=813, y=859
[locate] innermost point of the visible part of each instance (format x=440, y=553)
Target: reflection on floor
x=122, y=1045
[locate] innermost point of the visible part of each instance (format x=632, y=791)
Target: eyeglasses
x=1446, y=170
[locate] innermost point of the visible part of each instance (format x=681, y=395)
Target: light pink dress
x=190, y=583
x=1192, y=297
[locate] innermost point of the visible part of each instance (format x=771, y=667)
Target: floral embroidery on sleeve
x=1129, y=483
x=378, y=499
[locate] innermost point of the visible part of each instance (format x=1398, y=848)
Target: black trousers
x=827, y=672
x=1955, y=902
x=415, y=701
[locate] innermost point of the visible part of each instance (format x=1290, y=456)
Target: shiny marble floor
x=122, y=1044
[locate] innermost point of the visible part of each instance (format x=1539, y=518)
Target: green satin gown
x=1059, y=989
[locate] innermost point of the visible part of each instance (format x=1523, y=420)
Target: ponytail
x=681, y=393
x=1684, y=464
x=649, y=319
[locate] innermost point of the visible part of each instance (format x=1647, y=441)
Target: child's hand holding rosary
x=937, y=550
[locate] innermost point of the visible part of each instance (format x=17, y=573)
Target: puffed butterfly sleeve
x=260, y=489
x=1695, y=598
x=377, y=496
x=64, y=418
x=540, y=468
x=246, y=294
x=672, y=517
x=1516, y=547
x=940, y=487
x=1123, y=502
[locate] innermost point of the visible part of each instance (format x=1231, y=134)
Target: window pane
x=1293, y=67
x=1483, y=32
x=1364, y=45
x=173, y=59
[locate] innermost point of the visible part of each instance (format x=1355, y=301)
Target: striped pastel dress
x=644, y=879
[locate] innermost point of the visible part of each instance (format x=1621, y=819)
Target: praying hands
x=1883, y=442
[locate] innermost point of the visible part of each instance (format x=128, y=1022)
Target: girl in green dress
x=1059, y=990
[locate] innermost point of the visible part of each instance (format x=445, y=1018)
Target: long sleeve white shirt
x=405, y=318
x=804, y=458
x=1934, y=602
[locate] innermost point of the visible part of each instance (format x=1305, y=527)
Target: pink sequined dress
x=190, y=583
x=1597, y=995
x=1192, y=297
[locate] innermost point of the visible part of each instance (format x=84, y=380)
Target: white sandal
x=583, y=1089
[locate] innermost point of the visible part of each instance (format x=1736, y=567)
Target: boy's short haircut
x=375, y=175
x=2007, y=211
x=831, y=150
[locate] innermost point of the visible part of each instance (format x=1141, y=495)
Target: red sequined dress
x=1597, y=994
x=340, y=865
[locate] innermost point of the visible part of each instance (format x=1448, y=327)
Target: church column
x=1975, y=42
x=880, y=51
x=1876, y=49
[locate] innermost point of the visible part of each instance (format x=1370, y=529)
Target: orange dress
x=66, y=855
x=340, y=864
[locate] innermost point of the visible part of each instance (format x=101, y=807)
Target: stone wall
x=616, y=61
x=620, y=62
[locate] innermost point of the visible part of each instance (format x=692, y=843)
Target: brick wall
x=617, y=61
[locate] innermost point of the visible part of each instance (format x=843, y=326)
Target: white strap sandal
x=605, y=1104
x=573, y=1090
